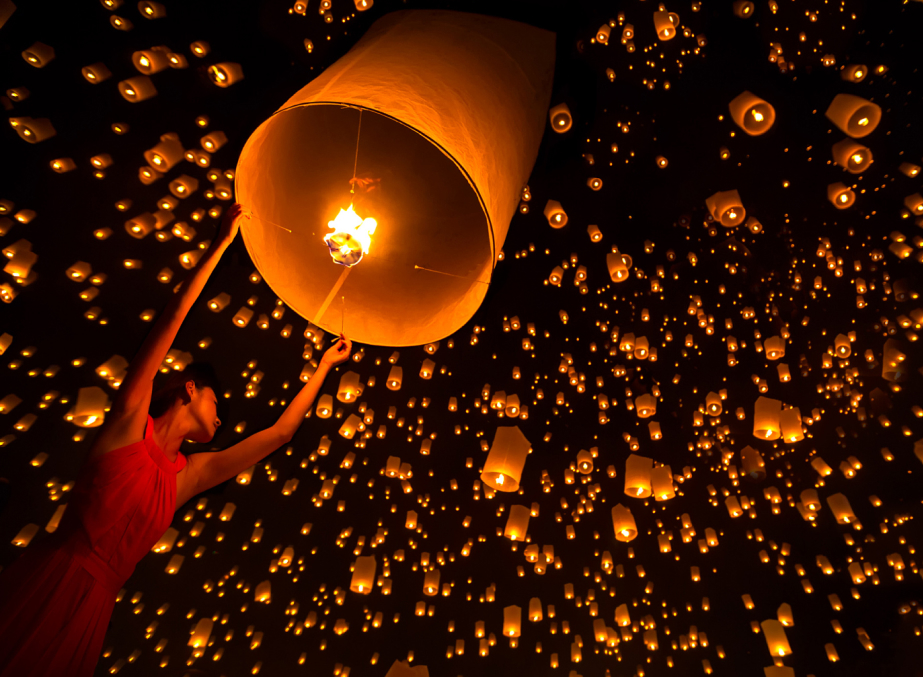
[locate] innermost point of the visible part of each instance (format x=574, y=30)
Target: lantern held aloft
x=437, y=116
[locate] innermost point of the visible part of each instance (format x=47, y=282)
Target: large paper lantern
x=437, y=116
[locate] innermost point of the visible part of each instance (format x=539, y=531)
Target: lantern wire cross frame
x=451, y=112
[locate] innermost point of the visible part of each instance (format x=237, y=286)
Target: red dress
x=57, y=597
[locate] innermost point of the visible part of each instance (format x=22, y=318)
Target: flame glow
x=351, y=237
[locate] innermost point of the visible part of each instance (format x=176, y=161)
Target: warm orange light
x=351, y=237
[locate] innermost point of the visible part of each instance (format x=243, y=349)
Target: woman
x=56, y=599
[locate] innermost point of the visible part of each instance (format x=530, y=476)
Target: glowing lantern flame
x=351, y=237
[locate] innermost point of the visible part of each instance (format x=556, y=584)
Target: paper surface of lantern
x=452, y=111
x=363, y=575
x=507, y=457
x=854, y=116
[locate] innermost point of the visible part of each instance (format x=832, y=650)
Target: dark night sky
x=782, y=177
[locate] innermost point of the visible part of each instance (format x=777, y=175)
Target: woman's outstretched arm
x=214, y=467
x=135, y=392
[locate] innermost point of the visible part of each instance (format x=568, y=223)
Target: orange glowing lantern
x=453, y=164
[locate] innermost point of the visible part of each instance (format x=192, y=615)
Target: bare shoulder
x=119, y=430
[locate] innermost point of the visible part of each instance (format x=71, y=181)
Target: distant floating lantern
x=638, y=476
x=120, y=23
x=623, y=522
x=853, y=115
x=618, y=265
x=431, y=583
x=790, y=425
x=200, y=48
x=363, y=579
x=766, y=425
x=507, y=457
x=554, y=212
x=852, y=156
x=726, y=208
x=517, y=524
x=840, y=195
x=141, y=225
x=602, y=34
x=743, y=8
x=560, y=117
x=38, y=55
x=184, y=186
x=32, y=130
x=645, y=406
x=893, y=362
x=138, y=88
x=628, y=33
x=152, y=10
x=512, y=621
x=395, y=376
x=662, y=483
x=584, y=462
x=661, y=161
x=842, y=511
x=914, y=203
x=90, y=409
x=470, y=192
x=752, y=114
x=350, y=387
x=594, y=233
x=150, y=61
x=363, y=5
x=664, y=25
x=854, y=73
x=774, y=632
x=594, y=183
x=95, y=73
x=165, y=154
x=62, y=165
x=213, y=141
x=226, y=73
x=752, y=463
x=774, y=347
x=909, y=169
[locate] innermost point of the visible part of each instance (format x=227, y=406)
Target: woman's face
x=202, y=410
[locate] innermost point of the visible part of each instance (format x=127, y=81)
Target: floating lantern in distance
x=351, y=237
x=594, y=233
x=726, y=208
x=555, y=214
x=852, y=156
x=914, y=203
x=517, y=524
x=152, y=10
x=150, y=61
x=661, y=161
x=776, y=640
x=623, y=522
x=561, y=119
x=362, y=5
x=184, y=186
x=64, y=164
x=853, y=115
x=594, y=183
x=790, y=425
x=662, y=483
x=31, y=130
x=137, y=88
x=512, y=621
x=602, y=35
x=618, y=265
x=38, y=55
x=165, y=154
x=766, y=414
x=95, y=73
x=840, y=195
x=213, y=141
x=909, y=169
x=200, y=48
x=743, y=8
x=120, y=23
x=638, y=476
x=584, y=462
x=752, y=114
x=421, y=283
x=363, y=578
x=628, y=33
x=752, y=463
x=893, y=362
x=507, y=457
x=111, y=4
x=226, y=73
x=90, y=409
x=664, y=24
x=854, y=73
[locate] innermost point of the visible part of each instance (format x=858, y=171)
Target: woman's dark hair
x=174, y=386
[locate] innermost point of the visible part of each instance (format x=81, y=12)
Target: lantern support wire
x=462, y=277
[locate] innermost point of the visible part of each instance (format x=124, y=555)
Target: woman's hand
x=338, y=353
x=231, y=223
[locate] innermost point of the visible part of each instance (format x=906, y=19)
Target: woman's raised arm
x=211, y=468
x=135, y=392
